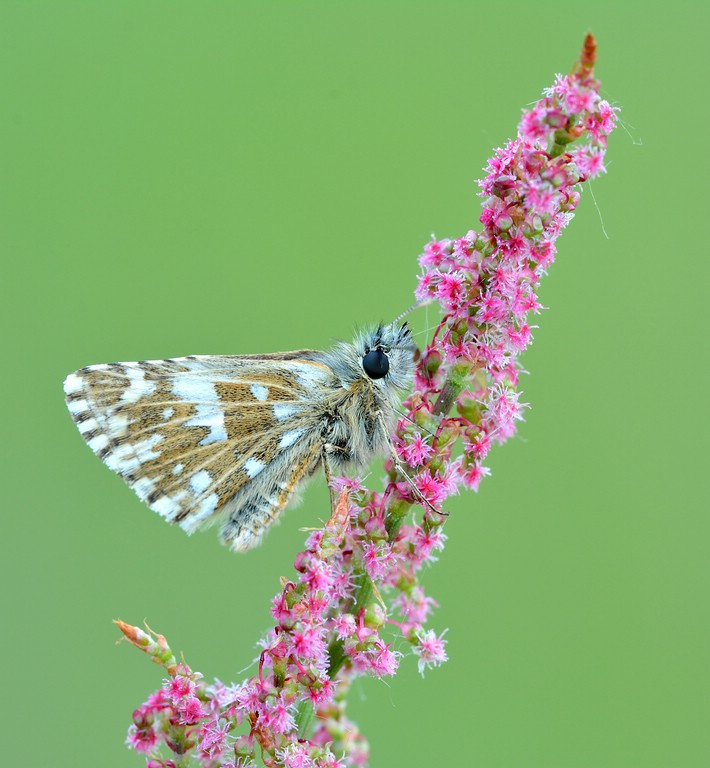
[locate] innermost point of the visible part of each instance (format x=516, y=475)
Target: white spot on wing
x=283, y=411
x=194, y=389
x=178, y=468
x=144, y=449
x=253, y=466
x=310, y=375
x=169, y=506
x=201, y=391
x=143, y=486
x=259, y=391
x=73, y=383
x=138, y=386
x=77, y=406
x=201, y=481
x=121, y=459
x=210, y=416
x=289, y=438
x=128, y=457
x=98, y=443
x=167, y=413
x=204, y=510
x=88, y=425
x=117, y=425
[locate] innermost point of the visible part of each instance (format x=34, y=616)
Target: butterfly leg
x=402, y=471
x=328, y=450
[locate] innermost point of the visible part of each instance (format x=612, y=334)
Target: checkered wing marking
x=201, y=439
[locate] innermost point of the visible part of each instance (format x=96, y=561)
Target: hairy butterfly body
x=229, y=438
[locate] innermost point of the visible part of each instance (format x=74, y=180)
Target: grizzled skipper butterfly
x=230, y=438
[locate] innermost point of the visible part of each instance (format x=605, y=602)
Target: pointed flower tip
x=153, y=644
x=588, y=56
x=134, y=635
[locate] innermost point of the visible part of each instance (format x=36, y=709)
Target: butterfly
x=229, y=439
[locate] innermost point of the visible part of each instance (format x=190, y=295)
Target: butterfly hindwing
x=206, y=438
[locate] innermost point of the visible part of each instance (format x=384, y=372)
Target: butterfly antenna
x=402, y=471
x=418, y=426
x=418, y=304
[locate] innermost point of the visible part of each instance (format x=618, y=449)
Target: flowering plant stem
x=356, y=582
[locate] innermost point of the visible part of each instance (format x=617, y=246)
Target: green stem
x=396, y=512
x=337, y=657
x=304, y=715
x=453, y=386
x=336, y=652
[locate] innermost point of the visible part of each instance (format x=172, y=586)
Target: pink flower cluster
x=357, y=581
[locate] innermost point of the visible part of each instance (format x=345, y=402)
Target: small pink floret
x=430, y=649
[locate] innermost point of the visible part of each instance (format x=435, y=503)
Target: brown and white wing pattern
x=201, y=439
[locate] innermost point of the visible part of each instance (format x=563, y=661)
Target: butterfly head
x=387, y=352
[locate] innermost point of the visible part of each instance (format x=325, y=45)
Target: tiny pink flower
x=430, y=649
x=519, y=338
x=426, y=287
x=414, y=605
x=213, y=735
x=432, y=487
x=416, y=451
x=142, y=739
x=310, y=643
x=451, y=290
x=179, y=687
x=322, y=693
x=279, y=716
x=473, y=475
x=341, y=483
x=434, y=253
x=478, y=448
x=318, y=575
x=382, y=659
x=296, y=756
x=249, y=697
x=428, y=542
x=190, y=710
x=344, y=625
x=377, y=559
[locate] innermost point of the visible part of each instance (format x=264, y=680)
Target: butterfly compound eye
x=376, y=364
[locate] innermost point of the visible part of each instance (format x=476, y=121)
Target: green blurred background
x=240, y=177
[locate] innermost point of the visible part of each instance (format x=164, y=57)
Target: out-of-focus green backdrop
x=214, y=177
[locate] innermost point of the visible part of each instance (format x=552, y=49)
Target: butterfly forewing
x=192, y=436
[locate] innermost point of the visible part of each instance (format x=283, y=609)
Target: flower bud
x=374, y=616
